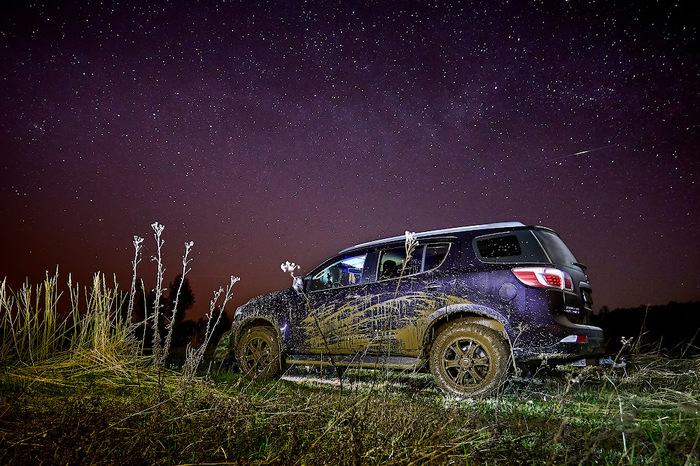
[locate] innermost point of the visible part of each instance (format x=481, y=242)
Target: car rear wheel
x=468, y=359
x=258, y=353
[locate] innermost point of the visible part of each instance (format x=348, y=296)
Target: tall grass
x=98, y=322
x=29, y=326
x=34, y=330
x=196, y=355
x=158, y=354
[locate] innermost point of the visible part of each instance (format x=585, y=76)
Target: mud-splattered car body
x=375, y=304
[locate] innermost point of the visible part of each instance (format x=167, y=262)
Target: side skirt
x=364, y=362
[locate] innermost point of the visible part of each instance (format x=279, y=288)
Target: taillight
x=544, y=277
x=575, y=339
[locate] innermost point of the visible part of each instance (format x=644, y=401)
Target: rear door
x=405, y=293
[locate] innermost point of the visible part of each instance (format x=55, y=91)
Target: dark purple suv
x=468, y=303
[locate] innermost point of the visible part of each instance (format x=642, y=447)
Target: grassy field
x=79, y=388
x=90, y=409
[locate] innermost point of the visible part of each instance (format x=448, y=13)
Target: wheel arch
x=256, y=321
x=471, y=313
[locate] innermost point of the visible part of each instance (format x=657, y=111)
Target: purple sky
x=267, y=132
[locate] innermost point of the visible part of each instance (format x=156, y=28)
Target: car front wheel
x=258, y=353
x=469, y=359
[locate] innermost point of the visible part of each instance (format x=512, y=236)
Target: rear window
x=512, y=247
x=555, y=247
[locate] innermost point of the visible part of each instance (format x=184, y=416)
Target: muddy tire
x=468, y=359
x=258, y=354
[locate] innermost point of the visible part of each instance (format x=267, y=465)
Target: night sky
x=267, y=132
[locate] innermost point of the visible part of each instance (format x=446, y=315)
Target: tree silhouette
x=672, y=327
x=185, y=301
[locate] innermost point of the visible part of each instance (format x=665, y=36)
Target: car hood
x=269, y=305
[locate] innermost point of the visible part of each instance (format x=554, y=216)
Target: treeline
x=673, y=328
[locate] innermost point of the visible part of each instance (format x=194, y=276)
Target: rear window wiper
x=583, y=267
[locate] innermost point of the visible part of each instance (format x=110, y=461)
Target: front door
x=337, y=297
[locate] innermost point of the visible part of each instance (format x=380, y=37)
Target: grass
x=78, y=389
x=63, y=411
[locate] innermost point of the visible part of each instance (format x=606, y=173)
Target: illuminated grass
x=113, y=411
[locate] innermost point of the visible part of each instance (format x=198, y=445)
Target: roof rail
x=446, y=231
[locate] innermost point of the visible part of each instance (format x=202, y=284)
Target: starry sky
x=275, y=131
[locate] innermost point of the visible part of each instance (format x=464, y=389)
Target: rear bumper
x=590, y=344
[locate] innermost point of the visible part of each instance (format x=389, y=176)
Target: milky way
x=267, y=132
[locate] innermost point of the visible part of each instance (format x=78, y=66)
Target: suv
x=464, y=302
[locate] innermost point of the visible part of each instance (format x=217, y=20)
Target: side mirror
x=298, y=284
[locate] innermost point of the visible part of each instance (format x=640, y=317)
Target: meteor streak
x=587, y=151
x=590, y=150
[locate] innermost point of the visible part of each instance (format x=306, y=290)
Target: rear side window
x=500, y=246
x=513, y=247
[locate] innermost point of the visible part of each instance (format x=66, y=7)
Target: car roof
x=443, y=232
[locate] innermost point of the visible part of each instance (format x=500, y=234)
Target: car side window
x=345, y=272
x=499, y=246
x=391, y=263
x=516, y=247
x=435, y=255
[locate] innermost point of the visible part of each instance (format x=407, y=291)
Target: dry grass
x=56, y=413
